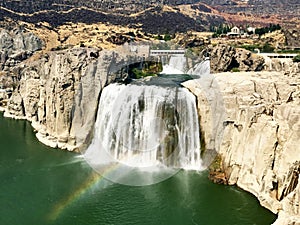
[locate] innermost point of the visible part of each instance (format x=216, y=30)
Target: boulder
x=226, y=58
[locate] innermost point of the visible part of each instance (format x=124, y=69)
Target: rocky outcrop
x=17, y=45
x=191, y=40
x=253, y=121
x=292, y=37
x=281, y=65
x=59, y=94
x=226, y=58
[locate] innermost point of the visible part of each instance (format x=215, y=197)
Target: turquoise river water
x=40, y=185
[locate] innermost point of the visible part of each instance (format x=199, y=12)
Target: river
x=40, y=185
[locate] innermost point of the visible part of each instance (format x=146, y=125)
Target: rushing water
x=176, y=65
x=146, y=127
x=40, y=185
x=150, y=124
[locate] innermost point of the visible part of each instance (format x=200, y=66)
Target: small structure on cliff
x=235, y=32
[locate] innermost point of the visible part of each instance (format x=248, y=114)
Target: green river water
x=40, y=185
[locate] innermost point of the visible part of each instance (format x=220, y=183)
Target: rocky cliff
x=59, y=94
x=253, y=121
x=250, y=118
x=226, y=58
x=17, y=45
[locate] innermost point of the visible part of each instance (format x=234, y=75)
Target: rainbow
x=92, y=181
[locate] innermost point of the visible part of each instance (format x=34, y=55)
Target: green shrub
x=267, y=48
x=250, y=47
x=235, y=69
x=296, y=58
x=271, y=28
x=140, y=73
x=167, y=37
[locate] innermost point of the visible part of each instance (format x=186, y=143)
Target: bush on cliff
x=267, y=48
x=296, y=58
x=235, y=69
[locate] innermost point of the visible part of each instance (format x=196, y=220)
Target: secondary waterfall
x=176, y=65
x=202, y=68
x=146, y=127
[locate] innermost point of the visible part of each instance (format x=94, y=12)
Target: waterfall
x=202, y=68
x=146, y=126
x=176, y=65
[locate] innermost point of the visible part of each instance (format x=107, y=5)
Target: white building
x=235, y=31
x=251, y=30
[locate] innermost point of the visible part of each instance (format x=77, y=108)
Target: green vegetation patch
x=144, y=69
x=235, y=69
x=219, y=30
x=216, y=164
x=263, y=48
x=270, y=28
x=165, y=37
x=296, y=58
x=250, y=47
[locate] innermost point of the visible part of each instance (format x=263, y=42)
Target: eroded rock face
x=59, y=94
x=259, y=118
x=17, y=45
x=226, y=58
x=284, y=65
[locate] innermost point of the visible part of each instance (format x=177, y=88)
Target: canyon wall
x=252, y=119
x=226, y=58
x=16, y=46
x=59, y=94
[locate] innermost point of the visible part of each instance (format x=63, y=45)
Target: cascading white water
x=176, y=65
x=202, y=68
x=147, y=130
x=146, y=126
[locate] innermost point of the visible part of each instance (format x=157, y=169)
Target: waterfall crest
x=146, y=127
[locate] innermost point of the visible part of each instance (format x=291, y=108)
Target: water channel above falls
x=40, y=185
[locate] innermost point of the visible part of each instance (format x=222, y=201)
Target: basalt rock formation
x=17, y=45
x=59, y=94
x=226, y=58
x=253, y=121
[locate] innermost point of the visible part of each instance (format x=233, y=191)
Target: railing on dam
x=278, y=55
x=179, y=52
